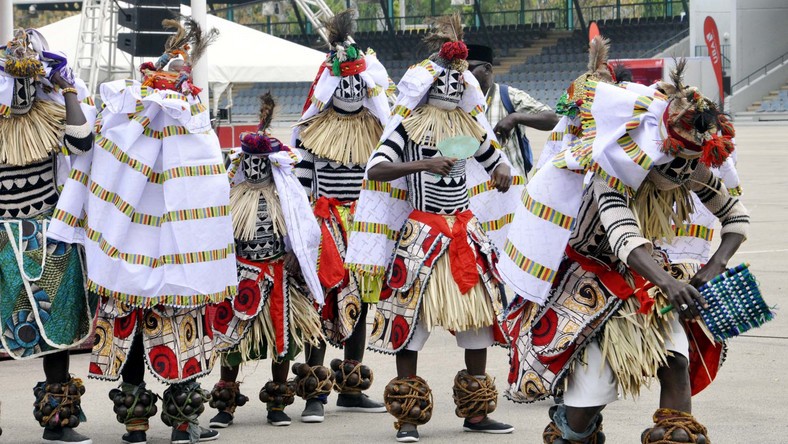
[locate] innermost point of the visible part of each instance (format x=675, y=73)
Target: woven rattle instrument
x=735, y=304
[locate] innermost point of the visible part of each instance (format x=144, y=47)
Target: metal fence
x=559, y=18
x=703, y=51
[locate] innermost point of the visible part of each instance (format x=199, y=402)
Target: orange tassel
x=729, y=146
x=725, y=126
x=716, y=150
x=672, y=146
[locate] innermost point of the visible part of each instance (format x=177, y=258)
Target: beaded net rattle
x=735, y=303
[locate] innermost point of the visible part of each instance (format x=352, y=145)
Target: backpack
x=522, y=140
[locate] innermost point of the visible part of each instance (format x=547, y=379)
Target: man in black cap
x=509, y=110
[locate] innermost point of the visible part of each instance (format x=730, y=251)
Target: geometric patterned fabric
x=44, y=307
x=177, y=342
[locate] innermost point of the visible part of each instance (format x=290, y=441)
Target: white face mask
x=349, y=95
x=24, y=96
x=446, y=91
x=257, y=169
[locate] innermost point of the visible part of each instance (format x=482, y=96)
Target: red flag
x=593, y=31
x=712, y=38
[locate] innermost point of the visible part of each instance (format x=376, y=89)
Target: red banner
x=712, y=38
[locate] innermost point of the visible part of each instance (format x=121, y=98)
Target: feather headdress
x=598, y=53
x=344, y=57
x=598, y=69
x=189, y=39
x=340, y=27
x=260, y=142
x=447, y=28
x=445, y=40
x=267, y=106
x=188, y=42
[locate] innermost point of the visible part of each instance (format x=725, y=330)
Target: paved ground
x=745, y=405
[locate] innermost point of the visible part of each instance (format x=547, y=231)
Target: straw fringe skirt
x=429, y=295
x=429, y=125
x=343, y=138
x=31, y=137
x=444, y=305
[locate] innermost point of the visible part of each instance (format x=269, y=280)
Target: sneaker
x=64, y=435
x=182, y=436
x=313, y=412
x=221, y=420
x=487, y=425
x=278, y=418
x=359, y=403
x=135, y=437
x=408, y=436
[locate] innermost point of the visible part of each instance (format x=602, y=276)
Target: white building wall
x=761, y=34
x=724, y=14
x=757, y=32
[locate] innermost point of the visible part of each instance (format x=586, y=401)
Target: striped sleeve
x=621, y=227
x=391, y=149
x=710, y=190
x=78, y=139
x=488, y=156
x=305, y=170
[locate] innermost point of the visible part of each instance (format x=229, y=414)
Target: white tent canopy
x=240, y=55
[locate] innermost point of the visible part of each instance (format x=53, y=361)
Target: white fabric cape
x=303, y=232
x=694, y=243
x=375, y=78
x=383, y=207
x=150, y=202
x=620, y=143
x=561, y=137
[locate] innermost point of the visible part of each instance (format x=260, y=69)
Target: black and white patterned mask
x=24, y=96
x=446, y=91
x=673, y=174
x=350, y=93
x=257, y=169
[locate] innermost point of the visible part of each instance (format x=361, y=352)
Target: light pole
x=6, y=21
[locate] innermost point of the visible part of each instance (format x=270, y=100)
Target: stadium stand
x=777, y=101
x=546, y=76
x=556, y=57
x=289, y=99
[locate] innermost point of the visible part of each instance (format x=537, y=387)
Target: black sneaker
x=359, y=403
x=408, y=436
x=221, y=420
x=487, y=425
x=182, y=437
x=313, y=412
x=64, y=435
x=135, y=437
x=278, y=418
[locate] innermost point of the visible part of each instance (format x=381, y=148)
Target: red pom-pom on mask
x=454, y=51
x=716, y=150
